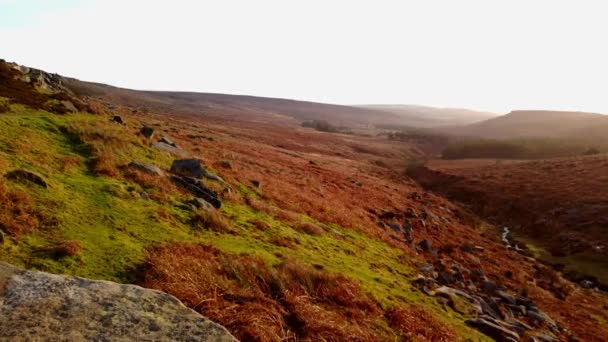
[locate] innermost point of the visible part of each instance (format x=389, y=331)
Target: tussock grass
x=18, y=214
x=257, y=302
x=212, y=220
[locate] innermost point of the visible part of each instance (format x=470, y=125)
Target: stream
x=505, y=239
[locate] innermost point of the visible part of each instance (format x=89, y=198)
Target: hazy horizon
x=480, y=55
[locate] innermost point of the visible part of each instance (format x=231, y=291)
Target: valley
x=284, y=232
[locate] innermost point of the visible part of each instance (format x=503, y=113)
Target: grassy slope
x=115, y=227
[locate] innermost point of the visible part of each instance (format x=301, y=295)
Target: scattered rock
x=407, y=231
x=201, y=204
x=471, y=248
x=64, y=106
x=507, y=298
x=197, y=187
x=256, y=183
x=495, y=331
x=147, y=168
x=193, y=168
x=118, y=119
x=424, y=284
x=489, y=287
x=426, y=246
x=22, y=175
x=171, y=149
x=395, y=227
x=167, y=140
x=37, y=306
x=145, y=195
x=459, y=301
x=147, y=132
x=225, y=164
x=445, y=278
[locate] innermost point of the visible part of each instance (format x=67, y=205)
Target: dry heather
x=212, y=220
x=19, y=214
x=289, y=302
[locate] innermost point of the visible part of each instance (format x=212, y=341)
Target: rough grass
x=289, y=301
x=115, y=225
x=18, y=215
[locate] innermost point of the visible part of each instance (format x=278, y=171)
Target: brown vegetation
x=212, y=220
x=417, y=324
x=289, y=302
x=67, y=248
x=18, y=215
x=309, y=228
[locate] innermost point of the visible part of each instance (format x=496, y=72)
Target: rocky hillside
x=557, y=207
x=274, y=231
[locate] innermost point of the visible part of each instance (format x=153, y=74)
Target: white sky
x=488, y=55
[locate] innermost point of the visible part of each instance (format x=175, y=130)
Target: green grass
x=115, y=227
x=587, y=263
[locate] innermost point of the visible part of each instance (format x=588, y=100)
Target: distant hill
x=424, y=116
x=235, y=106
x=535, y=124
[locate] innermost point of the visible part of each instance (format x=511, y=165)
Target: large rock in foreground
x=37, y=306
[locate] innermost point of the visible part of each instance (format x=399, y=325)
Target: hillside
x=558, y=207
x=272, y=230
x=237, y=107
x=424, y=116
x=535, y=124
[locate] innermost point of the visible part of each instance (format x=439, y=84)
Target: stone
x=536, y=317
x=426, y=245
x=495, y=331
x=445, y=278
x=507, y=298
x=37, y=306
x=407, y=231
x=145, y=195
x=426, y=268
x=168, y=148
x=167, y=140
x=23, y=175
x=197, y=188
x=395, y=227
x=201, y=204
x=489, y=287
x=147, y=168
x=118, y=119
x=459, y=300
x=188, y=167
x=147, y=132
x=69, y=106
x=225, y=164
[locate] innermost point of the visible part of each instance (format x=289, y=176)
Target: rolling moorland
x=287, y=233
x=425, y=117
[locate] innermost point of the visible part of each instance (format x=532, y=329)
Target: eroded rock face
x=37, y=306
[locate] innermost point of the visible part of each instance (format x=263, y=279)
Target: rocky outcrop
x=169, y=148
x=146, y=168
x=193, y=168
x=198, y=188
x=147, y=132
x=37, y=306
